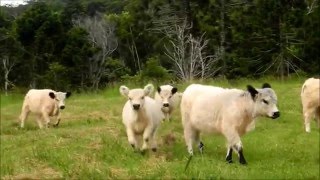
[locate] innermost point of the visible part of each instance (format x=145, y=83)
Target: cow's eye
x=130, y=99
x=170, y=96
x=265, y=101
x=142, y=97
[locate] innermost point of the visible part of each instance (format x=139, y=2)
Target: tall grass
x=91, y=143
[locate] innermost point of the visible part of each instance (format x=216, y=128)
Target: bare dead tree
x=187, y=53
x=7, y=67
x=311, y=5
x=102, y=36
x=189, y=56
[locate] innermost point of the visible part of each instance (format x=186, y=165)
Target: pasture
x=91, y=143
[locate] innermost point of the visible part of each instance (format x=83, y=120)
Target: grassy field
x=91, y=143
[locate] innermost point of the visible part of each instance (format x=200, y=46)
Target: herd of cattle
x=204, y=109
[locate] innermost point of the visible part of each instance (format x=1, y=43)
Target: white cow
x=141, y=116
x=310, y=99
x=230, y=112
x=44, y=103
x=168, y=97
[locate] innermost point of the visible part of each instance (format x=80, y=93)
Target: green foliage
x=115, y=69
x=273, y=37
x=154, y=71
x=55, y=77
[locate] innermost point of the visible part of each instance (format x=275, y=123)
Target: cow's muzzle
x=166, y=105
x=275, y=115
x=136, y=106
x=62, y=107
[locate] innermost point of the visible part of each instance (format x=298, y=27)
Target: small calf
x=168, y=97
x=141, y=116
x=44, y=103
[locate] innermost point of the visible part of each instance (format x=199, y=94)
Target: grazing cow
x=168, y=98
x=230, y=112
x=44, y=103
x=310, y=98
x=141, y=116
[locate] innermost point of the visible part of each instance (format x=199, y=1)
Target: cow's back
x=35, y=99
x=190, y=94
x=209, y=110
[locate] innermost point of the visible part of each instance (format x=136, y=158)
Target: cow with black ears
x=169, y=98
x=44, y=103
x=230, y=112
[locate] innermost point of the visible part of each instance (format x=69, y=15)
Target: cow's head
x=166, y=92
x=59, y=97
x=136, y=96
x=265, y=100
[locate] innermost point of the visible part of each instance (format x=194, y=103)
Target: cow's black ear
x=68, y=94
x=266, y=85
x=159, y=89
x=52, y=95
x=174, y=90
x=253, y=92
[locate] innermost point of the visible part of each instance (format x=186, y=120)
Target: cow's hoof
x=143, y=152
x=229, y=161
x=243, y=162
x=154, y=149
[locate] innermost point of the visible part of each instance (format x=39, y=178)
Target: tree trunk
x=222, y=36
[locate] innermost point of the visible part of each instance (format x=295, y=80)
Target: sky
x=11, y=2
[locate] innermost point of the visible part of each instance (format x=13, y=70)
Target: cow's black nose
x=62, y=107
x=166, y=105
x=276, y=115
x=136, y=106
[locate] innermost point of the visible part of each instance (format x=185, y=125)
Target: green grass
x=91, y=143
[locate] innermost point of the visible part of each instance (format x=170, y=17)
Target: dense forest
x=88, y=44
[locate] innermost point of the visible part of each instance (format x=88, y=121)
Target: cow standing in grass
x=168, y=97
x=230, y=112
x=141, y=116
x=310, y=98
x=44, y=103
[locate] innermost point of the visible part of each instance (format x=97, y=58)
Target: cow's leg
x=132, y=138
x=46, y=119
x=39, y=121
x=229, y=155
x=24, y=115
x=197, y=141
x=308, y=115
x=58, y=120
x=189, y=137
x=239, y=149
x=146, y=137
x=167, y=116
x=234, y=142
x=154, y=141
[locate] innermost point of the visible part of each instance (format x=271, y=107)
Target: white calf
x=310, y=99
x=230, y=112
x=44, y=103
x=168, y=98
x=141, y=115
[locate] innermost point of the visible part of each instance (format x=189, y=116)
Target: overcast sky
x=11, y=2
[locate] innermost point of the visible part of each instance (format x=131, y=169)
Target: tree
x=188, y=55
x=101, y=34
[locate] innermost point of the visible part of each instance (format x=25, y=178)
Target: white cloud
x=11, y=2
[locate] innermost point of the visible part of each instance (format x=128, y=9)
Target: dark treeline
x=78, y=44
